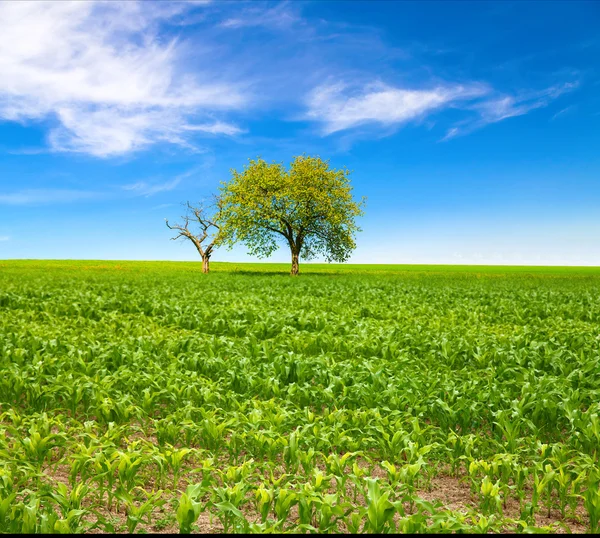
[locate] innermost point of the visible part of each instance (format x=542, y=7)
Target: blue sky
x=472, y=128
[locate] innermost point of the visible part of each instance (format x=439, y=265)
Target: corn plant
x=380, y=510
x=68, y=500
x=264, y=500
x=189, y=508
x=592, y=503
x=284, y=500
x=491, y=500
x=175, y=459
x=139, y=512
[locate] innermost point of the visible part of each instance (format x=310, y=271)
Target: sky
x=473, y=128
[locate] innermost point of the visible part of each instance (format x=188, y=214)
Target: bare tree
x=208, y=220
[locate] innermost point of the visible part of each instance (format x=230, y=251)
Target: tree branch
x=198, y=215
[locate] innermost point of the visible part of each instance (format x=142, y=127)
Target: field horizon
x=305, y=267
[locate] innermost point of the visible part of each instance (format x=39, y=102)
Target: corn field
x=146, y=397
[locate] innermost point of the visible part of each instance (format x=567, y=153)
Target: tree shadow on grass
x=284, y=273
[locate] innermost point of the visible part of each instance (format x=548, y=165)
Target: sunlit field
x=147, y=397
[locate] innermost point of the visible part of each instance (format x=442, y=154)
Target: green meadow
x=275, y=268
x=147, y=397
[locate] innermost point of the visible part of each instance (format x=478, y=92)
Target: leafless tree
x=207, y=218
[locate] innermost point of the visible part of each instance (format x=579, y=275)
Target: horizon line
x=199, y=261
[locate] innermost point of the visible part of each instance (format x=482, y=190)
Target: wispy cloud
x=142, y=188
x=337, y=109
x=4, y=238
x=106, y=75
x=28, y=151
x=145, y=188
x=509, y=106
x=149, y=188
x=217, y=127
x=563, y=111
x=279, y=16
x=47, y=196
x=162, y=206
x=498, y=108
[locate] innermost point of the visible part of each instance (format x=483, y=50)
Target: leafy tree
x=309, y=207
x=207, y=219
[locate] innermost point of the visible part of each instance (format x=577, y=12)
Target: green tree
x=309, y=207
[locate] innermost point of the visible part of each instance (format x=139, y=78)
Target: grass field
x=147, y=397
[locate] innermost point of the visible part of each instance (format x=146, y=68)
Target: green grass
x=306, y=268
x=139, y=396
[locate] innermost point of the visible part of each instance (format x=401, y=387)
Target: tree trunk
x=295, y=268
x=205, y=268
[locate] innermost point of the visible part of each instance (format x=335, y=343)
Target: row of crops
x=148, y=399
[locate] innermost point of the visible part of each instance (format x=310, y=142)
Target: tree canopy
x=309, y=207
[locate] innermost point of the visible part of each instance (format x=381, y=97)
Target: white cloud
x=4, y=238
x=114, y=131
x=378, y=103
x=103, y=71
x=338, y=108
x=217, y=127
